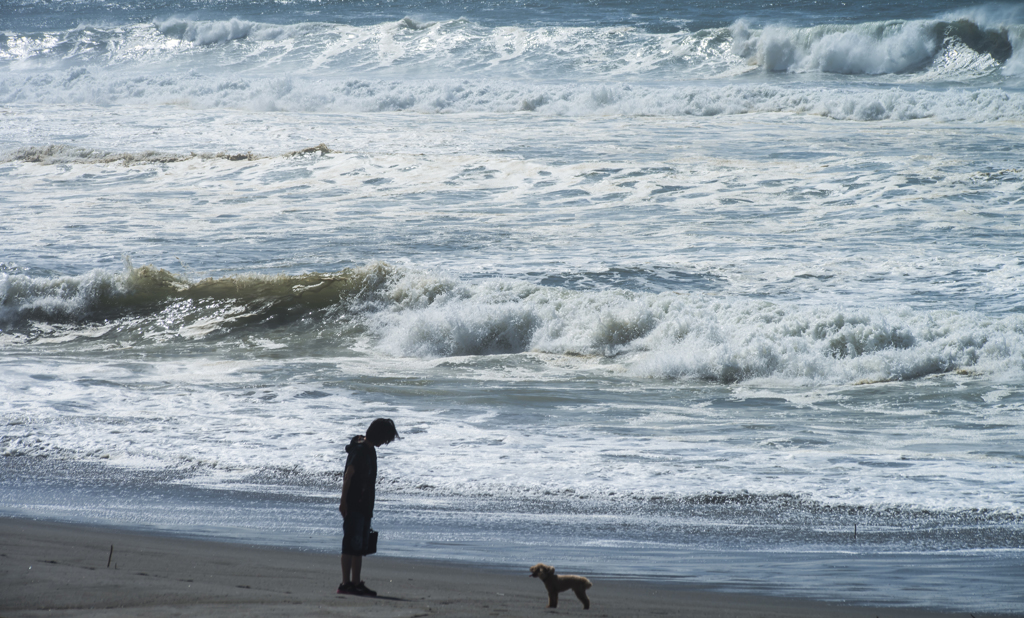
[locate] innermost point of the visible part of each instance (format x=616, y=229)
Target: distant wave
x=864, y=72
x=952, y=47
x=410, y=313
x=212, y=32
x=206, y=33
x=950, y=50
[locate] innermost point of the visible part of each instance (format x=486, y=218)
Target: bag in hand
x=371, y=547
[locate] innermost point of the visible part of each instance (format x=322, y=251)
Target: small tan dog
x=561, y=583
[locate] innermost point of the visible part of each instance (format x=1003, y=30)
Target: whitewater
x=729, y=295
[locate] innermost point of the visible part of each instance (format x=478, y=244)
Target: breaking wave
x=410, y=313
x=963, y=46
x=102, y=295
x=941, y=49
x=892, y=70
x=213, y=32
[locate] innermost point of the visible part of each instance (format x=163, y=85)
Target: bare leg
x=357, y=568
x=346, y=569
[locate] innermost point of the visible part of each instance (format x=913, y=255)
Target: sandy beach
x=58, y=569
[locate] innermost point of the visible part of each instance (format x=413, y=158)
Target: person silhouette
x=357, y=498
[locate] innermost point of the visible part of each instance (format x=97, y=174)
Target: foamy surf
x=297, y=94
x=410, y=313
x=582, y=71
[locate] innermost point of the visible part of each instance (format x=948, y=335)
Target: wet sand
x=62, y=570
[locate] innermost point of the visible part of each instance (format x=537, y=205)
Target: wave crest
x=411, y=313
x=102, y=295
x=882, y=48
x=214, y=32
x=693, y=336
x=407, y=48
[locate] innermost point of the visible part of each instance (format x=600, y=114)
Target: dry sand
x=62, y=570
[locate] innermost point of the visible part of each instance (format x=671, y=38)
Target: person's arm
x=349, y=473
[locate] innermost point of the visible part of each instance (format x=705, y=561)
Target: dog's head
x=542, y=571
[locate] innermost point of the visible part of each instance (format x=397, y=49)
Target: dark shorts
x=357, y=534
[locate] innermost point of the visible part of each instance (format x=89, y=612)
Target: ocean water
x=726, y=293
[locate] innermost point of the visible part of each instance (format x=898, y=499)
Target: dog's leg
x=581, y=594
x=552, y=598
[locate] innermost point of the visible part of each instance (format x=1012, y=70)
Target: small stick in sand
x=110, y=556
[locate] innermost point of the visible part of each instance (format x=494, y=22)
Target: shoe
x=347, y=589
x=362, y=590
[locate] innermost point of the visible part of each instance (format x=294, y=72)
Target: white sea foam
x=699, y=337
x=223, y=420
x=86, y=87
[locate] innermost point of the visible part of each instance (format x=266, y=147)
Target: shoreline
x=506, y=542
x=61, y=569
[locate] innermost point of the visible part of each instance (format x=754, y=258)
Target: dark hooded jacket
x=363, y=457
